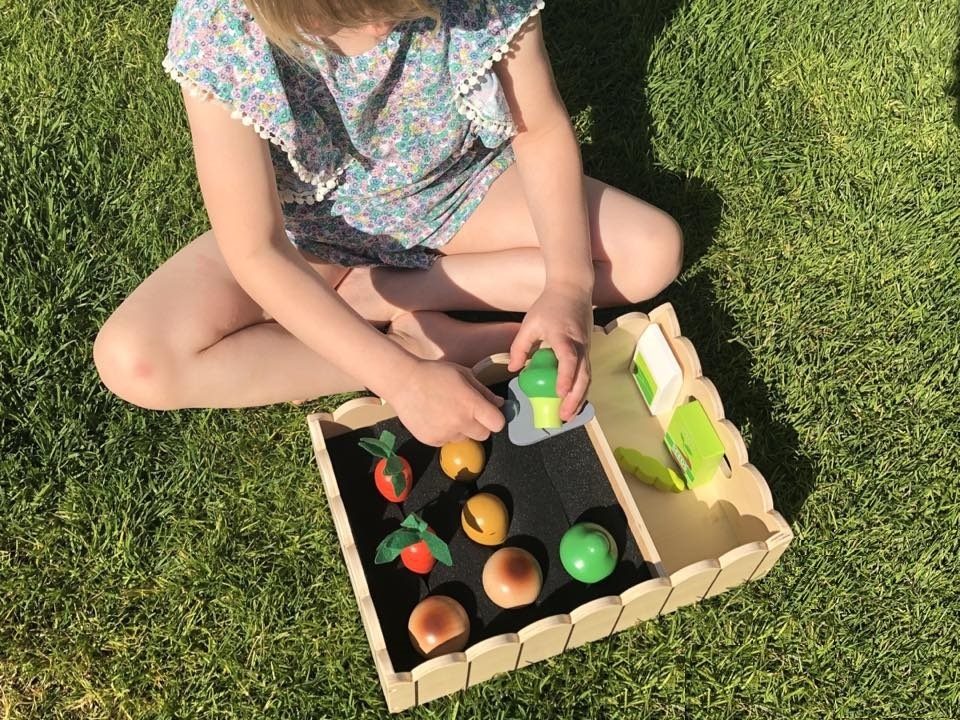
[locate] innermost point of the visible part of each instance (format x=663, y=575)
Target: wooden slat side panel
x=665, y=316
x=632, y=323
x=340, y=521
x=362, y=412
x=746, y=493
x=705, y=391
x=778, y=546
x=353, y=414
x=492, y=656
x=686, y=356
x=440, y=676
x=594, y=620
x=355, y=570
x=737, y=566
x=733, y=445
x=544, y=638
x=401, y=697
x=399, y=689
x=642, y=602
x=371, y=625
x=691, y=584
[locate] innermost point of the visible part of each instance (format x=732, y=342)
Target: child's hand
x=563, y=319
x=441, y=402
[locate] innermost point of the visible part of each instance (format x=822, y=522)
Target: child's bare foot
x=437, y=336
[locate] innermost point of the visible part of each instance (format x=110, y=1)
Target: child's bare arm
x=548, y=160
x=239, y=191
x=437, y=401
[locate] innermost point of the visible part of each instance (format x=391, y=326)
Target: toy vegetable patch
x=538, y=380
x=392, y=474
x=416, y=544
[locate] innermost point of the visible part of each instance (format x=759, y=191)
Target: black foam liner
x=546, y=487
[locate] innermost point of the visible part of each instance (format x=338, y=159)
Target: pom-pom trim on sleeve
x=502, y=130
x=323, y=184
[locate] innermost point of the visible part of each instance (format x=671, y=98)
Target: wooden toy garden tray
x=676, y=549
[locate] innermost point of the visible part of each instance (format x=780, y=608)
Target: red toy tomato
x=416, y=544
x=392, y=474
x=418, y=558
x=385, y=484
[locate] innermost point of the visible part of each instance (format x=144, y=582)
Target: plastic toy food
x=694, y=444
x=462, y=460
x=538, y=381
x=649, y=470
x=392, y=474
x=588, y=552
x=485, y=519
x=416, y=545
x=438, y=625
x=512, y=578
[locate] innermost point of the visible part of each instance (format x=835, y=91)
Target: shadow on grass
x=609, y=75
x=601, y=61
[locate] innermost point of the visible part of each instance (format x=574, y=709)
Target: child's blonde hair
x=289, y=23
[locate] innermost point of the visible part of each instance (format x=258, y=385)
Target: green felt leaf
x=393, y=544
x=398, y=481
x=414, y=522
x=389, y=441
x=438, y=548
x=374, y=447
x=394, y=465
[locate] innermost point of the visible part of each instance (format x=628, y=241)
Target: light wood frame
x=698, y=543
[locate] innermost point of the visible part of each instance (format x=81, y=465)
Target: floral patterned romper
x=381, y=157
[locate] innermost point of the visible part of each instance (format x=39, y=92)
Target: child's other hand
x=441, y=402
x=563, y=319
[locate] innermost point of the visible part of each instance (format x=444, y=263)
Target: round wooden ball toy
x=588, y=552
x=438, y=625
x=512, y=578
x=462, y=460
x=485, y=519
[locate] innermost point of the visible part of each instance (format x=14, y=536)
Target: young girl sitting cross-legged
x=367, y=165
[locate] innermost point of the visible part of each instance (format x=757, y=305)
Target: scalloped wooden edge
x=594, y=620
x=703, y=389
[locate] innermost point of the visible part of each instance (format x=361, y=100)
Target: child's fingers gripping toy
x=533, y=405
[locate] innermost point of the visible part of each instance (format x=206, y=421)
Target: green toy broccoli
x=539, y=383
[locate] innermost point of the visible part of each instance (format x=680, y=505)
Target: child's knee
x=654, y=259
x=134, y=366
x=672, y=244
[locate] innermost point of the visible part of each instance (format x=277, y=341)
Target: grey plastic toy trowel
x=519, y=415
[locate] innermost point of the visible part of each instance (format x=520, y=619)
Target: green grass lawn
x=185, y=564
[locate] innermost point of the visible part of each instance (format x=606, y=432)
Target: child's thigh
x=187, y=304
x=622, y=227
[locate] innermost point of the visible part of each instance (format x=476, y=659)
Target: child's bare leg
x=494, y=262
x=189, y=336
